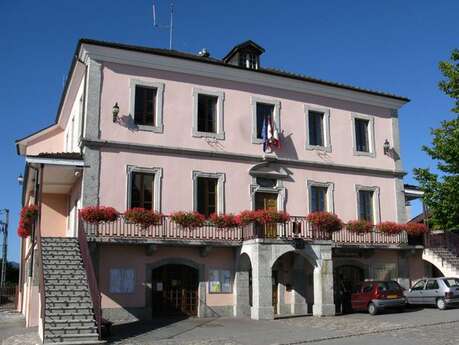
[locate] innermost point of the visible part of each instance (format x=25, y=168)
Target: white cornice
x=166, y=63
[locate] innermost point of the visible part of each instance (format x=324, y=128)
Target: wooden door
x=175, y=290
x=267, y=201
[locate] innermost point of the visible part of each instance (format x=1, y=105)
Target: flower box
x=391, y=228
x=416, y=229
x=223, y=221
x=26, y=220
x=359, y=226
x=189, y=220
x=325, y=221
x=142, y=217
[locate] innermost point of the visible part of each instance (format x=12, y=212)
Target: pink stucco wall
x=114, y=256
x=50, y=142
x=54, y=211
x=177, y=114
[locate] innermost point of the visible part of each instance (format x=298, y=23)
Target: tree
x=441, y=191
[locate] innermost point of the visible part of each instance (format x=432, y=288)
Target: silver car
x=442, y=292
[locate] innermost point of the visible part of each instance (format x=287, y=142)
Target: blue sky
x=387, y=45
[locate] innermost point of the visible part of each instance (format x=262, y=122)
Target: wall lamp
x=20, y=179
x=115, y=112
x=386, y=147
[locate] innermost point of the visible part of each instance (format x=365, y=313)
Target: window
x=264, y=111
x=122, y=280
x=316, y=128
x=419, y=285
x=219, y=281
x=207, y=195
x=361, y=135
x=451, y=282
x=366, y=205
x=318, y=198
x=367, y=288
x=146, y=105
x=145, y=100
x=208, y=114
x=432, y=285
x=388, y=286
x=142, y=190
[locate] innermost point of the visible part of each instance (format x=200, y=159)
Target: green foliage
x=441, y=193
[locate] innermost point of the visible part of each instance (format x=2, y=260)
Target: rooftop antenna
x=171, y=22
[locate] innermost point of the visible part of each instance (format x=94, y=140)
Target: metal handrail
x=91, y=277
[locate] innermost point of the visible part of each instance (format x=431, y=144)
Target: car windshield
x=451, y=282
x=388, y=286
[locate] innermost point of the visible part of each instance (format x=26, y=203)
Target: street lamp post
x=4, y=230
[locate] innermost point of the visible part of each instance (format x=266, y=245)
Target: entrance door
x=349, y=277
x=267, y=201
x=175, y=290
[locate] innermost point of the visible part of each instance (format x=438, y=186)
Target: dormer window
x=246, y=55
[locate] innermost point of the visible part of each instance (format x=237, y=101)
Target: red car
x=375, y=296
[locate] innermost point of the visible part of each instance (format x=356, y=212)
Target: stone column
x=262, y=305
x=323, y=283
x=241, y=294
x=281, y=306
x=299, y=305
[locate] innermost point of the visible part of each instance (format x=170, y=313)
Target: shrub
x=224, y=220
x=325, y=221
x=188, y=219
x=98, y=214
x=416, y=229
x=26, y=220
x=390, y=228
x=141, y=216
x=359, y=226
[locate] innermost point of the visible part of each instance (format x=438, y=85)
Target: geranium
x=142, y=217
x=247, y=217
x=390, y=227
x=359, y=226
x=26, y=220
x=23, y=232
x=188, y=219
x=263, y=217
x=325, y=221
x=224, y=220
x=416, y=229
x=98, y=214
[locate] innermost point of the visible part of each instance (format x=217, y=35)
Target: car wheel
x=372, y=310
x=441, y=304
x=401, y=309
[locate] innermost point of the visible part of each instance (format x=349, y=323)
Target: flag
x=275, y=136
x=264, y=134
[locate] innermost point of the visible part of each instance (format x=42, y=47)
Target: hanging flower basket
x=416, y=229
x=142, y=217
x=26, y=219
x=391, y=228
x=189, y=220
x=223, y=221
x=325, y=221
x=359, y=226
x=98, y=214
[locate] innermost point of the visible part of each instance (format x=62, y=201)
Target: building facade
x=171, y=131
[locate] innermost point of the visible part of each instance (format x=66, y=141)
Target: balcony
x=168, y=231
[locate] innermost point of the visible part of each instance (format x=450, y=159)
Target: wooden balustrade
x=295, y=228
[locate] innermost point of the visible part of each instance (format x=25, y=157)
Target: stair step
x=64, y=303
x=67, y=295
x=67, y=317
x=58, y=311
x=68, y=324
x=80, y=342
x=89, y=338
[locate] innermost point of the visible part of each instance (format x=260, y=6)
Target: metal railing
x=91, y=277
x=37, y=241
x=296, y=228
x=444, y=239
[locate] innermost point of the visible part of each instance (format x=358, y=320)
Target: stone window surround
x=221, y=177
x=157, y=184
x=159, y=125
x=371, y=135
x=220, y=134
x=277, y=105
x=330, y=194
x=279, y=189
x=376, y=201
x=327, y=147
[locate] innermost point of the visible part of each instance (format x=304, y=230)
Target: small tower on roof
x=246, y=54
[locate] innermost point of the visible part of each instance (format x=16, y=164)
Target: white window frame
x=330, y=194
x=159, y=125
x=220, y=134
x=277, y=106
x=220, y=189
x=157, y=184
x=376, y=201
x=371, y=135
x=327, y=147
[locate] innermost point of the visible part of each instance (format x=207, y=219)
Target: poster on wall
x=219, y=281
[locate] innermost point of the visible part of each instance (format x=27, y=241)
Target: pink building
x=172, y=131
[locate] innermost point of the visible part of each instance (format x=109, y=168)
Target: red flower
x=390, y=227
x=416, y=229
x=23, y=232
x=325, y=221
x=224, y=220
x=359, y=226
x=26, y=220
x=98, y=214
x=142, y=217
x=263, y=217
x=188, y=219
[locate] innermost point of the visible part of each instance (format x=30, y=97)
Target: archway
x=431, y=270
x=346, y=278
x=174, y=290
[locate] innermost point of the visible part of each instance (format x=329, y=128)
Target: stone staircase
x=444, y=259
x=69, y=317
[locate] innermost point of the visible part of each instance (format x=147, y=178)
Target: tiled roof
x=59, y=155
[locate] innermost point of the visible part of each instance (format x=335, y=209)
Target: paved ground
x=414, y=327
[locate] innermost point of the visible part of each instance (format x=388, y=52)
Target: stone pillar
x=299, y=305
x=323, y=283
x=262, y=304
x=241, y=294
x=281, y=306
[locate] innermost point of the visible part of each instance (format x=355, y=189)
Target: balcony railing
x=295, y=228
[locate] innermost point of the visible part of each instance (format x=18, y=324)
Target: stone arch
x=307, y=252
x=352, y=262
x=176, y=261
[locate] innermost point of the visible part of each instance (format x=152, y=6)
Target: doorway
x=175, y=290
x=266, y=201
